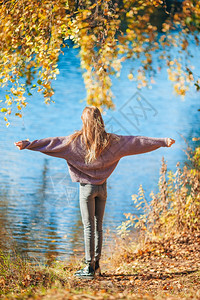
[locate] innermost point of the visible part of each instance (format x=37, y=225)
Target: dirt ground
x=162, y=270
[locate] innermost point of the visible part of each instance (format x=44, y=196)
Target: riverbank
x=167, y=269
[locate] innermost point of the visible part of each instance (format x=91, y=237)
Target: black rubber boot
x=88, y=272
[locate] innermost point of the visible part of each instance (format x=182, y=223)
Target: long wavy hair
x=92, y=134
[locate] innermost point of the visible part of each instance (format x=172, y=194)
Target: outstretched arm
x=130, y=145
x=55, y=146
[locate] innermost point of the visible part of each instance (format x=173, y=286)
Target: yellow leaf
x=130, y=76
x=9, y=102
x=18, y=114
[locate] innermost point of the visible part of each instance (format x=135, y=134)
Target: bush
x=175, y=208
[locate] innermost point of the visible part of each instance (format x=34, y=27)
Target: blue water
x=39, y=209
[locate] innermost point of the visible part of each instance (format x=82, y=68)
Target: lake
x=39, y=205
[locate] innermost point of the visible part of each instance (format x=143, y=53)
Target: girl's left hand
x=170, y=142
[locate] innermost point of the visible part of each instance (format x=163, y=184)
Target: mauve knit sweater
x=98, y=171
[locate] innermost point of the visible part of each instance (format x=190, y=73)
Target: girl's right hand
x=170, y=142
x=19, y=145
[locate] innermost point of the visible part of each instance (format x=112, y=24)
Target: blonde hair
x=92, y=134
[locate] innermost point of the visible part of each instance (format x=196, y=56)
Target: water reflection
x=31, y=223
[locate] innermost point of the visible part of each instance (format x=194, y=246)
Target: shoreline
x=165, y=269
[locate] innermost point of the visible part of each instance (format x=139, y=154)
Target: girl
x=92, y=154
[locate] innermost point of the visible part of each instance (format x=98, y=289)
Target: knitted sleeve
x=53, y=146
x=131, y=145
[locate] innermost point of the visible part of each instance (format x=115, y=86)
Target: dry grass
x=172, y=271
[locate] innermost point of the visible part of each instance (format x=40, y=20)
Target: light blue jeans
x=92, y=205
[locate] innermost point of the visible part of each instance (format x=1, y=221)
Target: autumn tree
x=33, y=34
